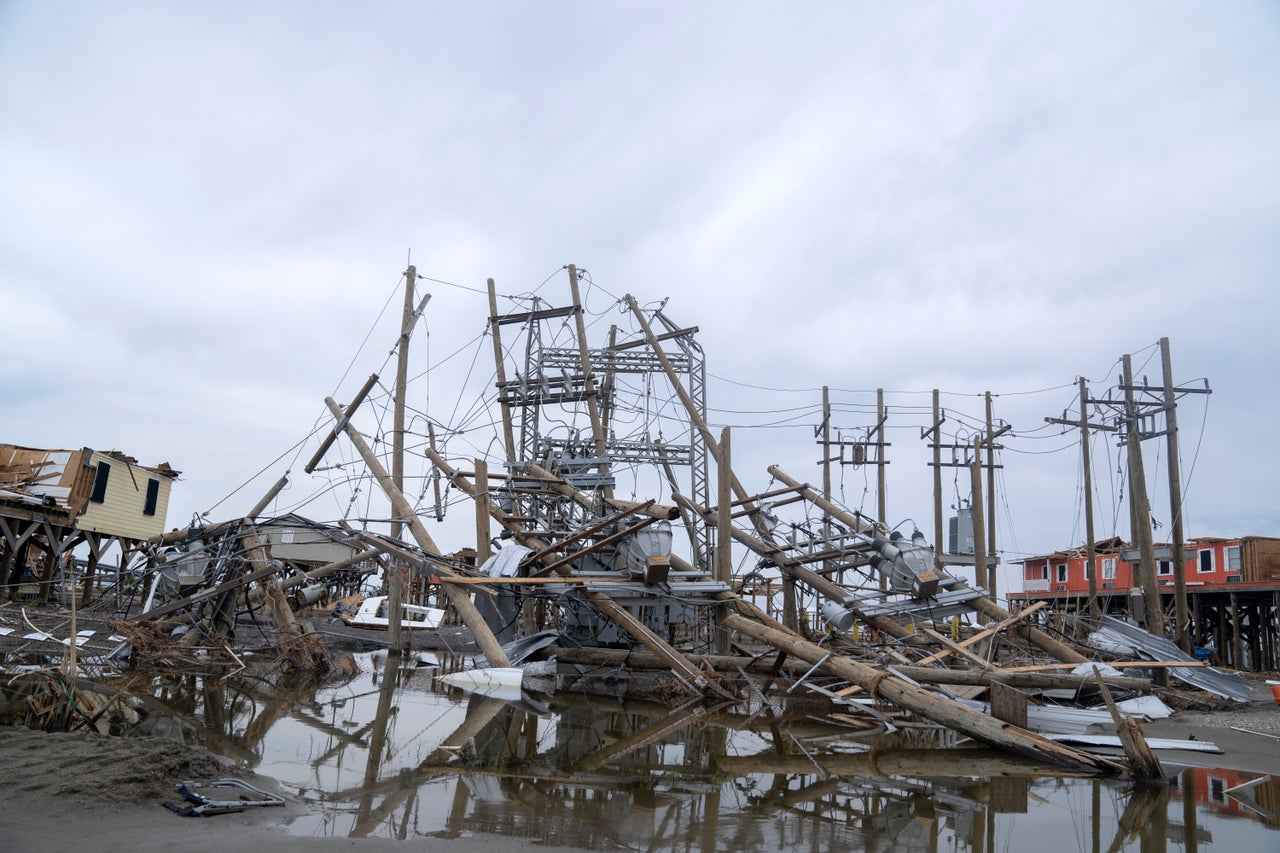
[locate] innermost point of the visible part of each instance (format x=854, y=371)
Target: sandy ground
x=98, y=794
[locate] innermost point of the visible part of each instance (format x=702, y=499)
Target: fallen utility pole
x=885, y=685
x=791, y=567
x=769, y=663
x=459, y=598
x=982, y=604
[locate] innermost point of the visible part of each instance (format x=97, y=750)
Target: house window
x=1109, y=569
x=286, y=537
x=1206, y=561
x=1062, y=572
x=1044, y=572
x=1165, y=567
x=153, y=497
x=99, y=494
x=1217, y=789
x=1233, y=559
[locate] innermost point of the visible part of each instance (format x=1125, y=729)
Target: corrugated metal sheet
x=1116, y=633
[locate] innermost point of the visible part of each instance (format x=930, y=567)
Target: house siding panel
x=120, y=513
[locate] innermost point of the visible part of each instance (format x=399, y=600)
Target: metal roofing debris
x=1118, y=634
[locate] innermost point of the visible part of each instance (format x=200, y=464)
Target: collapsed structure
x=564, y=568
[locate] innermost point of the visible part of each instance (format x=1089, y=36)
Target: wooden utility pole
x=939, y=544
x=508, y=434
x=407, y=321
x=980, y=567
x=882, y=509
x=921, y=701
x=826, y=458
x=1091, y=565
x=724, y=530
x=1086, y=452
x=1140, y=510
x=483, y=548
x=1175, y=500
x=990, y=518
x=588, y=378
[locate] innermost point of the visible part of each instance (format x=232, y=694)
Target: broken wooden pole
x=302, y=652
x=924, y=674
x=792, y=567
x=344, y=418
x=269, y=496
x=930, y=705
x=560, y=485
x=1142, y=761
x=459, y=598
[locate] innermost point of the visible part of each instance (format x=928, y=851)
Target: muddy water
x=399, y=755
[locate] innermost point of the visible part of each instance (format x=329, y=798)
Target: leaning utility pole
x=1175, y=500
x=1140, y=508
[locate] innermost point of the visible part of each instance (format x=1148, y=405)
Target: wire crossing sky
x=207, y=208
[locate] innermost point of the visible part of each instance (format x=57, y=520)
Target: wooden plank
x=1008, y=704
x=986, y=632
x=956, y=647
x=1115, y=664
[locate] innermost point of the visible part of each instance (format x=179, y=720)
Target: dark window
x=100, y=483
x=1206, y=560
x=153, y=497
x=1062, y=572
x=1165, y=567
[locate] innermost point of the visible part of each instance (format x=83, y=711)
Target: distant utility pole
x=1087, y=461
x=991, y=436
x=981, y=566
x=984, y=574
x=862, y=453
x=934, y=432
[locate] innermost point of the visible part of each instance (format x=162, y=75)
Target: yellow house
x=127, y=499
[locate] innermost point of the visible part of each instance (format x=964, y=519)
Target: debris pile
x=828, y=606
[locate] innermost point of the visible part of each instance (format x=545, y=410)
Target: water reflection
x=392, y=753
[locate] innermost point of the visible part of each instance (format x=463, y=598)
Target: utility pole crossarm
x=1065, y=422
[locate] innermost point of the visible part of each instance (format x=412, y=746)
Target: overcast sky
x=206, y=206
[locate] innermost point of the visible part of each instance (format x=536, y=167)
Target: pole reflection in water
x=393, y=754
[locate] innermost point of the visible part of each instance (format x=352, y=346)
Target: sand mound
x=90, y=770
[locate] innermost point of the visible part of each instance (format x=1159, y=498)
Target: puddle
x=408, y=757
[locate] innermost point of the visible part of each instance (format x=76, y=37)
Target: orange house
x=1250, y=563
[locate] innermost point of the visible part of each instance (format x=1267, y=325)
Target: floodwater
x=399, y=755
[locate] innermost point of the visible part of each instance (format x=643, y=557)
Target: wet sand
x=76, y=792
